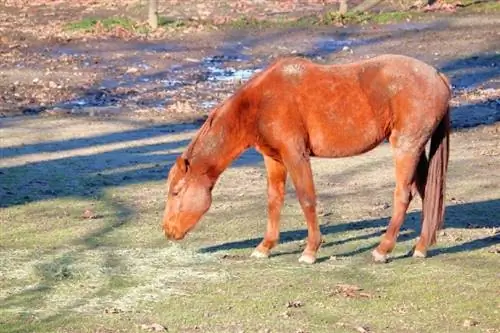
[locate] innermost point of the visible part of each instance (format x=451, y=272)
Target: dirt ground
x=90, y=124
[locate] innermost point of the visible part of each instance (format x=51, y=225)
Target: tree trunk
x=153, y=14
x=343, y=7
x=365, y=5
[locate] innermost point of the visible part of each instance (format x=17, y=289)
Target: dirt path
x=191, y=74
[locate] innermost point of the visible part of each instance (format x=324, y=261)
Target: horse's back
x=417, y=93
x=348, y=109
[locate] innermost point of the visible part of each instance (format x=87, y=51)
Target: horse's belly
x=344, y=141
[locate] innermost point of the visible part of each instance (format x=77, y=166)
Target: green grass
x=64, y=273
x=86, y=24
x=390, y=17
x=110, y=23
x=485, y=7
x=328, y=18
x=170, y=22
x=362, y=18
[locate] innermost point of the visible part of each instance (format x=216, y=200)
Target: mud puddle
x=154, y=76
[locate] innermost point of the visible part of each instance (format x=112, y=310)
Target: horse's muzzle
x=172, y=233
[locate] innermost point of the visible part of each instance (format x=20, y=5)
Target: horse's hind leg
x=405, y=167
x=276, y=178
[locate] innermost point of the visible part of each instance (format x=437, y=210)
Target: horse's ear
x=182, y=164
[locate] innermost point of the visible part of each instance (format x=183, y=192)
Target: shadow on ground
x=86, y=175
x=464, y=216
x=476, y=71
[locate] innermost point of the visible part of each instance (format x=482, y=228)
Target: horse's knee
x=307, y=200
x=275, y=194
x=308, y=203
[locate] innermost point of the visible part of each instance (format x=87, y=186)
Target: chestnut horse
x=296, y=109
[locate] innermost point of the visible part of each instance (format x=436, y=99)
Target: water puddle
x=136, y=79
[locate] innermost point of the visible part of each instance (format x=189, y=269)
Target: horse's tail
x=433, y=203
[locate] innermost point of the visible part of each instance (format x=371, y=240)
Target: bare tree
x=153, y=14
x=365, y=5
x=343, y=7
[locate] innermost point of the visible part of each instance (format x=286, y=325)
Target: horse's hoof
x=419, y=254
x=307, y=259
x=378, y=257
x=259, y=255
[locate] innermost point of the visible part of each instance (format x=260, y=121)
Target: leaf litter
x=350, y=291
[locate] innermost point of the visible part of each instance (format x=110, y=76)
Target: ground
x=91, y=123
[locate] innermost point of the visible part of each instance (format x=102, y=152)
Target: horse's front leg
x=276, y=178
x=300, y=170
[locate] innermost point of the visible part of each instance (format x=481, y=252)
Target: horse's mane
x=204, y=129
x=207, y=125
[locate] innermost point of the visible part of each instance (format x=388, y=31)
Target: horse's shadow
x=476, y=215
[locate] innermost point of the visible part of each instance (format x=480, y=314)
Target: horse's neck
x=221, y=140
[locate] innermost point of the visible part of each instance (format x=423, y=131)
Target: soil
x=190, y=72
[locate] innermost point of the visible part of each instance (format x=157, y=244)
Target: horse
x=296, y=109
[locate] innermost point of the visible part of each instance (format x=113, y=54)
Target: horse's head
x=189, y=195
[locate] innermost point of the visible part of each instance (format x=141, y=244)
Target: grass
x=109, y=23
x=391, y=17
x=170, y=22
x=243, y=22
x=113, y=273
x=329, y=18
x=486, y=7
x=126, y=23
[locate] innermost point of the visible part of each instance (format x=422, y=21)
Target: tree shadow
x=475, y=70
x=146, y=132
x=468, y=73
x=87, y=173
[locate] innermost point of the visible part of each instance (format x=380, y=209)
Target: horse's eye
x=175, y=193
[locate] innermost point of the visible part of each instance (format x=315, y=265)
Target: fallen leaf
x=112, y=310
x=132, y=70
x=90, y=215
x=294, y=304
x=494, y=250
x=154, y=328
x=366, y=295
x=470, y=323
x=286, y=314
